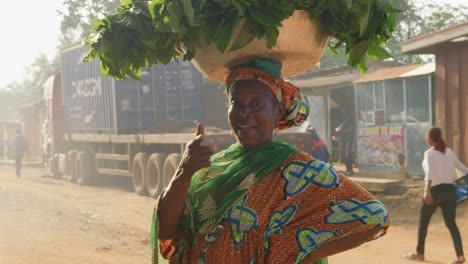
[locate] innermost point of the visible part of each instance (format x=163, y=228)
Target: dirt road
x=43, y=220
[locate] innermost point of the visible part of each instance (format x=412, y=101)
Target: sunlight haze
x=28, y=28
x=31, y=27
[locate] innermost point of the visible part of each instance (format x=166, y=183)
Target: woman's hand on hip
x=196, y=156
x=428, y=198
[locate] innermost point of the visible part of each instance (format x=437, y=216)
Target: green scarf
x=232, y=173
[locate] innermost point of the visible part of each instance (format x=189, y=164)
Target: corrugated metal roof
x=397, y=72
x=336, y=77
x=440, y=31
x=426, y=44
x=318, y=82
x=425, y=69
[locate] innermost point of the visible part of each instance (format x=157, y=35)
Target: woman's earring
x=275, y=131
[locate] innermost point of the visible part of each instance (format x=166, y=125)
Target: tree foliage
x=416, y=18
x=77, y=19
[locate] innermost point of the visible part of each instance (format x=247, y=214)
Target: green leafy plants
x=142, y=33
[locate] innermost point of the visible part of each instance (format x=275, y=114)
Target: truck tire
x=154, y=174
x=54, y=166
x=63, y=167
x=71, y=161
x=84, y=168
x=139, y=173
x=170, y=167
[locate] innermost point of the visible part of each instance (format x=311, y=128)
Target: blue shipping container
x=169, y=97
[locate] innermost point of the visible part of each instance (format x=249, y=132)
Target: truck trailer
x=137, y=128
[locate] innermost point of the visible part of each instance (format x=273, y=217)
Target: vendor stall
x=394, y=109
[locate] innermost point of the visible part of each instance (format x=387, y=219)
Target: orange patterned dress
x=294, y=210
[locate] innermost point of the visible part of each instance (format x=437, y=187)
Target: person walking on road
x=18, y=146
x=439, y=165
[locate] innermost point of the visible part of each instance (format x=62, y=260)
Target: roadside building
x=7, y=132
x=392, y=104
x=329, y=91
x=8, y=123
x=450, y=47
x=394, y=109
x=30, y=122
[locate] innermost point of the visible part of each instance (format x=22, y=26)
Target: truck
x=97, y=125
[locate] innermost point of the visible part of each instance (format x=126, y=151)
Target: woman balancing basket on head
x=260, y=200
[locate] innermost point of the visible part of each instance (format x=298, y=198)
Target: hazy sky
x=29, y=27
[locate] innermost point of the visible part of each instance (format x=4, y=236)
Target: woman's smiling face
x=253, y=113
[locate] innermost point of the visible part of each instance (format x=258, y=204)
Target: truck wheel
x=139, y=173
x=54, y=166
x=62, y=165
x=66, y=165
x=84, y=169
x=71, y=162
x=170, y=167
x=154, y=174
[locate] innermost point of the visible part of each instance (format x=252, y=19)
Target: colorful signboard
x=381, y=148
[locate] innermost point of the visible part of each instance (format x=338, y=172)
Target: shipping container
x=93, y=103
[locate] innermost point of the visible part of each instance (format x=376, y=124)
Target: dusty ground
x=43, y=220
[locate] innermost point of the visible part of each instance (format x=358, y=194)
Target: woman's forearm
x=427, y=196
x=427, y=186
x=171, y=204
x=459, y=166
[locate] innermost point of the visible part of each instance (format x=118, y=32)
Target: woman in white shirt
x=440, y=190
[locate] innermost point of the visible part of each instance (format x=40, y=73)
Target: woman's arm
x=459, y=166
x=341, y=245
x=429, y=162
x=171, y=204
x=428, y=165
x=427, y=197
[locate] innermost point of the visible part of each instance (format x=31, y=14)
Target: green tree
x=416, y=18
x=77, y=19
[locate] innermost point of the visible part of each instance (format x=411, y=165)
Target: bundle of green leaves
x=142, y=33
